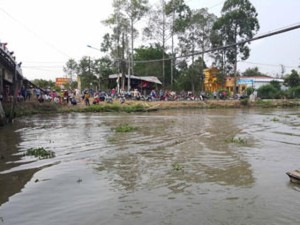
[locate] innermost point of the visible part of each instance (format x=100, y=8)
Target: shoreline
x=34, y=107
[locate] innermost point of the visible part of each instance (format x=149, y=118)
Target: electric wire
x=269, y=34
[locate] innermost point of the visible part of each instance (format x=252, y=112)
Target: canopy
x=151, y=79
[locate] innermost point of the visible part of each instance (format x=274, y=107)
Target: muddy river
x=210, y=167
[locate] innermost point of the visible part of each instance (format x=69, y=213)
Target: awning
x=151, y=79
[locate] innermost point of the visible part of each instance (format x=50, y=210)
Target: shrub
x=293, y=92
x=249, y=90
x=267, y=92
x=244, y=102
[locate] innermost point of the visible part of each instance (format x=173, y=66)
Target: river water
x=177, y=168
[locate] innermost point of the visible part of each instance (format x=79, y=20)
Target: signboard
x=61, y=81
x=245, y=81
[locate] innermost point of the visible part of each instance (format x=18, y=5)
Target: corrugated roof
x=151, y=79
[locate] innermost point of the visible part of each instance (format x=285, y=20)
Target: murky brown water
x=102, y=177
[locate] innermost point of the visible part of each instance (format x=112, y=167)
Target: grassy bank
x=33, y=107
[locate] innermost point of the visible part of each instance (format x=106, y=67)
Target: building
x=212, y=84
x=255, y=81
x=146, y=83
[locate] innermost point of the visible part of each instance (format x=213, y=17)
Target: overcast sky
x=44, y=34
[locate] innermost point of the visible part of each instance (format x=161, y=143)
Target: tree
x=154, y=68
x=292, y=80
x=134, y=10
x=102, y=68
x=238, y=22
x=159, y=29
x=197, y=38
x=115, y=42
x=84, y=71
x=70, y=68
x=190, y=78
x=45, y=84
x=180, y=14
x=250, y=72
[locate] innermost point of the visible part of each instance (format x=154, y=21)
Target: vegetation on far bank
x=32, y=107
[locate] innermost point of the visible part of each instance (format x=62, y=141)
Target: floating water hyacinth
x=41, y=153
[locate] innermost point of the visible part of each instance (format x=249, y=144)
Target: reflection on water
x=129, y=178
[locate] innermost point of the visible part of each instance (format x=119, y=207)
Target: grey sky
x=45, y=34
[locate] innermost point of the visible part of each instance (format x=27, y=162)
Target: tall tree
x=85, y=72
x=159, y=29
x=134, y=10
x=70, y=68
x=180, y=14
x=238, y=22
x=115, y=42
x=197, y=38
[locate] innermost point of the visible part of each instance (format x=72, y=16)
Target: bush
x=249, y=91
x=293, y=92
x=267, y=92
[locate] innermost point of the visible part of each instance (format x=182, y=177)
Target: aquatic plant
x=177, y=166
x=237, y=140
x=123, y=128
x=41, y=153
x=244, y=102
x=275, y=119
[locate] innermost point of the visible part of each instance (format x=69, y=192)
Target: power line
x=269, y=34
x=265, y=64
x=35, y=34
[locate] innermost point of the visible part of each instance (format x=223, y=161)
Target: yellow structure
x=210, y=80
x=211, y=83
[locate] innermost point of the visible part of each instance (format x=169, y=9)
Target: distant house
x=256, y=81
x=212, y=84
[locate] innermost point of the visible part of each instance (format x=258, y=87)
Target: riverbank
x=34, y=107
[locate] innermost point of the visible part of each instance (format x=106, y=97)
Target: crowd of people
x=89, y=96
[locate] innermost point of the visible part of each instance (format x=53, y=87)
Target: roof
x=151, y=79
x=260, y=78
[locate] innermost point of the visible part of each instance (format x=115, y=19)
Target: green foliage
x=237, y=140
x=182, y=14
x=124, y=128
x=41, y=153
x=222, y=91
x=292, y=80
x=70, y=68
x=177, y=166
x=250, y=72
x=276, y=84
x=155, y=68
x=244, y=102
x=249, y=91
x=293, y=92
x=274, y=119
x=115, y=108
x=44, y=83
x=267, y=92
x=238, y=22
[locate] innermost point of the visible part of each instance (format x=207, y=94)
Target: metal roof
x=151, y=79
